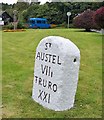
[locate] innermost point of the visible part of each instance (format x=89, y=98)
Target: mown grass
x=0, y=74
x=18, y=53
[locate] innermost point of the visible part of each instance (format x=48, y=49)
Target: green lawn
x=0, y=73
x=18, y=53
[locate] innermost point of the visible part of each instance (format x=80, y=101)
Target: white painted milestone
x=56, y=72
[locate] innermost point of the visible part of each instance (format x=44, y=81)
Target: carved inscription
x=46, y=70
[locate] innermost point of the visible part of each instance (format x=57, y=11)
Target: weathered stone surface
x=56, y=71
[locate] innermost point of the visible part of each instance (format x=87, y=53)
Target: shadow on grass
x=83, y=30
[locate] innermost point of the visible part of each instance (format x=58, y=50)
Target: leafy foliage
x=20, y=25
x=99, y=17
x=9, y=26
x=54, y=12
x=85, y=20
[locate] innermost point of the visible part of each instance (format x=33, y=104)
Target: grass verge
x=18, y=53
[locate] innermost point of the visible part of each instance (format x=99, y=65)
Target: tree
x=53, y=11
x=99, y=17
x=20, y=6
x=85, y=20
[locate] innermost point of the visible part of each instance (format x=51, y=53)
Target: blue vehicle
x=38, y=23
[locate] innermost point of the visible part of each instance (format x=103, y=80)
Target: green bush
x=9, y=26
x=71, y=25
x=21, y=25
x=65, y=25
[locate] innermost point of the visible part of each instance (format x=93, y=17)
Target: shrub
x=20, y=25
x=9, y=26
x=99, y=17
x=85, y=20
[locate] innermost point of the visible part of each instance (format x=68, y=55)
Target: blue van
x=38, y=23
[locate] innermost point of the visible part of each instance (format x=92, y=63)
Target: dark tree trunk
x=88, y=30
